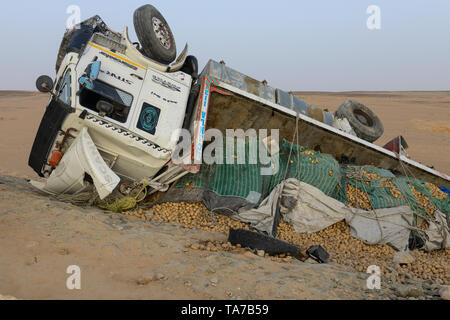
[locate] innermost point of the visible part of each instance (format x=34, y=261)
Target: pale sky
x=294, y=45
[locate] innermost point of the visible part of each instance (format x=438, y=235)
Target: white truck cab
x=131, y=106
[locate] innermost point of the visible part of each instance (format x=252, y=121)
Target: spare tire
x=364, y=121
x=154, y=34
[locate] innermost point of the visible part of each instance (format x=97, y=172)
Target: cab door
x=119, y=83
x=161, y=107
x=55, y=115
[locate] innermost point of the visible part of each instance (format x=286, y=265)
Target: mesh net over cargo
x=247, y=181
x=369, y=188
x=374, y=188
x=364, y=187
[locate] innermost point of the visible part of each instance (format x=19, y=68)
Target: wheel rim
x=363, y=117
x=162, y=33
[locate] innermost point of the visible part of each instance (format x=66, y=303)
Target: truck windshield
x=120, y=100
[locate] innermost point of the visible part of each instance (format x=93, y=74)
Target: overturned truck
x=117, y=110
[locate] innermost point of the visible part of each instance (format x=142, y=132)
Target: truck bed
x=231, y=100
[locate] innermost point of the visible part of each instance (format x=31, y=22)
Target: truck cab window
x=64, y=91
x=120, y=100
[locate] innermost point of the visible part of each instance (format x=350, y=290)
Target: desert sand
x=20, y=116
x=122, y=258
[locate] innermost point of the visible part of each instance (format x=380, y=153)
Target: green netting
x=375, y=182
x=195, y=181
x=386, y=191
x=404, y=184
x=319, y=170
x=236, y=180
x=244, y=180
x=322, y=171
x=229, y=180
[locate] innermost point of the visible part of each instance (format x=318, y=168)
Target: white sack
x=262, y=218
x=309, y=210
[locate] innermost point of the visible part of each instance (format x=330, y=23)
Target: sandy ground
x=121, y=258
x=20, y=115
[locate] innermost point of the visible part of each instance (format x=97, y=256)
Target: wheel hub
x=363, y=118
x=162, y=33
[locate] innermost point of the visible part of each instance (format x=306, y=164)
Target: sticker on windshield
x=148, y=120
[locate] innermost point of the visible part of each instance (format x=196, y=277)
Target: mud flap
x=55, y=115
x=81, y=158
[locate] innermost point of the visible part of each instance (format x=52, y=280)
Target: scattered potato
x=358, y=198
x=343, y=248
x=346, y=250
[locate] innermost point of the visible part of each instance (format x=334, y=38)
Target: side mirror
x=44, y=84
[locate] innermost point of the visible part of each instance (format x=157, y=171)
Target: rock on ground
x=403, y=257
x=445, y=292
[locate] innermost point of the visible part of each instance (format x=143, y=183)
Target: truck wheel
x=366, y=124
x=154, y=34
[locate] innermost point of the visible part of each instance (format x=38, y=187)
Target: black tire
x=259, y=241
x=161, y=49
x=364, y=121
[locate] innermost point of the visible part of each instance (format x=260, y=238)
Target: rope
x=429, y=219
x=419, y=214
x=126, y=203
x=277, y=216
x=292, y=146
x=357, y=176
x=371, y=204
